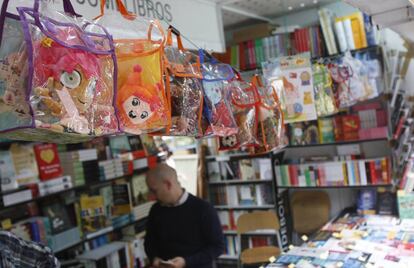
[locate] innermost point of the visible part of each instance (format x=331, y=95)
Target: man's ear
x=168, y=184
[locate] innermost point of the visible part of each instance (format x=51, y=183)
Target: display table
x=355, y=242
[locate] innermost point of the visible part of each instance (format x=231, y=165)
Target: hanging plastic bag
x=349, y=86
x=216, y=109
x=71, y=71
x=141, y=99
x=270, y=118
x=183, y=83
x=14, y=110
x=324, y=97
x=243, y=101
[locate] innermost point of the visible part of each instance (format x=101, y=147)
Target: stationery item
x=298, y=93
x=324, y=97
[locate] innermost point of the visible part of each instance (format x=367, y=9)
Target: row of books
x=250, y=54
x=243, y=169
x=242, y=195
x=368, y=121
x=25, y=164
x=353, y=31
x=346, y=173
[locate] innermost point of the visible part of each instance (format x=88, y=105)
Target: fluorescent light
x=290, y=8
x=302, y=5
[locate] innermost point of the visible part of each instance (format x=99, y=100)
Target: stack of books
x=81, y=165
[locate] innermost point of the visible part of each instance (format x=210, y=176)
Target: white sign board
x=198, y=20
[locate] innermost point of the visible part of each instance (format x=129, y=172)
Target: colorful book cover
x=58, y=217
x=24, y=162
x=121, y=197
x=405, y=204
x=140, y=191
x=48, y=161
x=326, y=130
x=92, y=213
x=386, y=204
x=7, y=172
x=298, y=96
x=367, y=201
x=119, y=145
x=350, y=127
x=149, y=145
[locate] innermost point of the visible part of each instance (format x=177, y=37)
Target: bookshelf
x=338, y=143
x=235, y=184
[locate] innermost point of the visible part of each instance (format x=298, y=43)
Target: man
x=182, y=230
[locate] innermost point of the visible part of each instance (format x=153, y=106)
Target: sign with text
x=198, y=20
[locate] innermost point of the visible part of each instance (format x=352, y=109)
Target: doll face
x=80, y=88
x=138, y=111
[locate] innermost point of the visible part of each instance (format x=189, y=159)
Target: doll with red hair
x=66, y=84
x=141, y=108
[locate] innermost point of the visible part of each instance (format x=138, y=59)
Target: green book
x=235, y=57
x=308, y=177
x=284, y=171
x=259, y=51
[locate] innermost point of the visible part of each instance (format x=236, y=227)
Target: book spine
x=374, y=179
x=340, y=35
x=349, y=34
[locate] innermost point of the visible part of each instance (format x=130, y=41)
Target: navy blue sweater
x=191, y=230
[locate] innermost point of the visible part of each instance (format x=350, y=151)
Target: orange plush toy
x=140, y=107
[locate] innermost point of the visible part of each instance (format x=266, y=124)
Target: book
x=48, y=161
x=24, y=162
x=340, y=35
x=326, y=130
x=58, y=217
x=386, y=202
x=405, y=204
x=246, y=168
x=304, y=133
x=349, y=34
x=122, y=203
x=7, y=172
x=92, y=213
x=149, y=145
x=367, y=201
x=325, y=17
x=140, y=191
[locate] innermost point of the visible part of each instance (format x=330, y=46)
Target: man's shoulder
x=196, y=201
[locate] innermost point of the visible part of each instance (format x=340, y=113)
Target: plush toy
x=66, y=81
x=140, y=107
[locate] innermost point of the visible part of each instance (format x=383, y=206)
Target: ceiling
x=237, y=12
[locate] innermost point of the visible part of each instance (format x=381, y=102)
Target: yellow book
x=358, y=29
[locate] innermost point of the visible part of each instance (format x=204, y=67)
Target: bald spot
x=162, y=172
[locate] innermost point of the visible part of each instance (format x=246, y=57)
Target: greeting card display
x=298, y=98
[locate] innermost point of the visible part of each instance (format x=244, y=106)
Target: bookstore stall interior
x=206, y=133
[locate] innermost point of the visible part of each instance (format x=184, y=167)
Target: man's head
x=163, y=183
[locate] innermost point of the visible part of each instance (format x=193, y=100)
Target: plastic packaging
x=71, y=77
x=243, y=101
x=183, y=82
x=324, y=97
x=216, y=87
x=141, y=99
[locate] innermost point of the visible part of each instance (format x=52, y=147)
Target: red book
x=374, y=179
x=339, y=133
x=306, y=40
x=302, y=40
x=242, y=57
x=350, y=126
x=48, y=161
x=293, y=172
x=232, y=221
x=297, y=43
